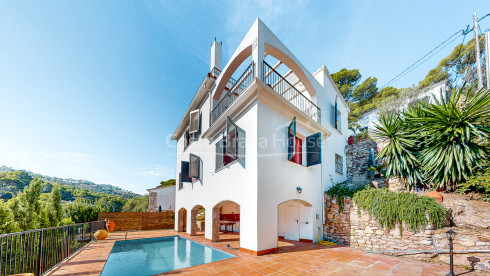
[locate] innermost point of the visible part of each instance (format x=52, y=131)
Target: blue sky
x=94, y=89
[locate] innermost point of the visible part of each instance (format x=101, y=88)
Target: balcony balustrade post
x=40, y=255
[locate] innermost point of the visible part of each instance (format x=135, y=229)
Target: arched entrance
x=295, y=220
x=226, y=223
x=182, y=220
x=197, y=220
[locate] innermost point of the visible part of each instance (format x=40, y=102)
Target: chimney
x=215, y=55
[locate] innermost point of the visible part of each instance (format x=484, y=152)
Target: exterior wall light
x=450, y=235
x=299, y=190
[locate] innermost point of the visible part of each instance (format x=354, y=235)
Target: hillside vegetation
x=13, y=181
x=12, y=184
x=458, y=67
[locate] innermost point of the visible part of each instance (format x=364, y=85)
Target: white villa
x=438, y=91
x=261, y=141
x=161, y=199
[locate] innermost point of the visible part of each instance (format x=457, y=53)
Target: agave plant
x=377, y=169
x=452, y=136
x=399, y=154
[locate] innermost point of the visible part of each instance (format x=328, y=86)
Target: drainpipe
x=323, y=199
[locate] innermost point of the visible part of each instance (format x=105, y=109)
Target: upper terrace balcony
x=274, y=80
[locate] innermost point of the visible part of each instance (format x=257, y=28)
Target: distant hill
x=13, y=181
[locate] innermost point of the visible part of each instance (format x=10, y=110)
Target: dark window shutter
x=219, y=154
x=181, y=184
x=194, y=122
x=241, y=145
x=313, y=149
x=186, y=138
x=184, y=170
x=195, y=163
x=335, y=114
x=231, y=138
x=291, y=139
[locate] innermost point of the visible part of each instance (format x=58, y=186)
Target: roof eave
x=196, y=102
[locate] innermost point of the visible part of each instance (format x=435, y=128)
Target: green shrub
x=479, y=183
x=340, y=190
x=390, y=208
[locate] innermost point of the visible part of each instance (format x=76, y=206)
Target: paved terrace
x=293, y=258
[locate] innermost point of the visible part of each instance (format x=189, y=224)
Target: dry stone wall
x=359, y=159
x=152, y=202
x=355, y=229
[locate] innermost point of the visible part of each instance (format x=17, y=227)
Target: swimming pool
x=157, y=255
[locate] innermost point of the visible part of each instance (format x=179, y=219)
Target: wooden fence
x=133, y=221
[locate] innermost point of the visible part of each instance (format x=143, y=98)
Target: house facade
x=261, y=141
x=161, y=199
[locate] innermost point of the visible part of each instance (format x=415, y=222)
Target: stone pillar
x=152, y=202
x=182, y=217
x=193, y=221
x=216, y=226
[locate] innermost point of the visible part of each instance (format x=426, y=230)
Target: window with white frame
x=194, y=129
x=339, y=164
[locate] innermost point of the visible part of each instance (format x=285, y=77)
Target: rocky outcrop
x=467, y=213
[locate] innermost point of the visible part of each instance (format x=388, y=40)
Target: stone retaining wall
x=358, y=161
x=134, y=221
x=361, y=231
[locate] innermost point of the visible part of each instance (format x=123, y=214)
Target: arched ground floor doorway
x=182, y=227
x=295, y=220
x=226, y=223
x=197, y=220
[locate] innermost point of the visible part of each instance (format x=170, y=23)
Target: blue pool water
x=157, y=255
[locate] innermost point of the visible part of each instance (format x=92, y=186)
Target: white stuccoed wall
x=235, y=182
x=334, y=144
x=278, y=178
x=266, y=178
x=165, y=197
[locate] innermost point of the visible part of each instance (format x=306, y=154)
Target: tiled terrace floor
x=293, y=258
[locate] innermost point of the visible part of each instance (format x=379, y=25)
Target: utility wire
x=397, y=77
x=431, y=53
x=440, y=49
x=418, y=62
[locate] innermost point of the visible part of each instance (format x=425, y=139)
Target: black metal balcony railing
x=37, y=251
x=279, y=84
x=215, y=72
x=238, y=87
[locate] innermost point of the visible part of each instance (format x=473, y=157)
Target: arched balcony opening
x=235, y=80
x=226, y=223
x=198, y=214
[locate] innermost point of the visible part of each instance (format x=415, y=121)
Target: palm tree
x=452, y=136
x=399, y=155
x=440, y=144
